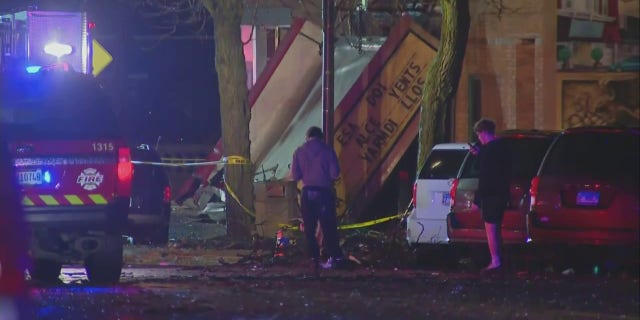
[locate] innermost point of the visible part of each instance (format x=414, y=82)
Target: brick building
x=512, y=73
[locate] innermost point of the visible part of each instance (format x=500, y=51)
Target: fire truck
x=73, y=167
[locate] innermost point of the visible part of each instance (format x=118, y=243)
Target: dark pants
x=319, y=204
x=493, y=208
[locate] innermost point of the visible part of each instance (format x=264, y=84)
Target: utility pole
x=327, y=70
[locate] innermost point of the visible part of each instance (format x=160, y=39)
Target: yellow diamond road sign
x=100, y=58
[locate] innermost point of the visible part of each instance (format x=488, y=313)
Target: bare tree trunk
x=443, y=75
x=235, y=113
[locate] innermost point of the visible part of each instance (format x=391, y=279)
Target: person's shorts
x=493, y=208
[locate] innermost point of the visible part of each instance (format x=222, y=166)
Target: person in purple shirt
x=316, y=165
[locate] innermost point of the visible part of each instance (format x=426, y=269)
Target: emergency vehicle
x=72, y=165
x=13, y=242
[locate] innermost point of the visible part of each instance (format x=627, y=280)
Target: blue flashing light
x=33, y=69
x=46, y=177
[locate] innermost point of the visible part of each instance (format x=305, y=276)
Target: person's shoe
x=332, y=263
x=489, y=270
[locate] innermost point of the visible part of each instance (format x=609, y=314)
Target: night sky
x=158, y=87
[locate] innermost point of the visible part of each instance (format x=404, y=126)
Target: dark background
x=162, y=82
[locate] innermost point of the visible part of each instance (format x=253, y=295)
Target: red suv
x=74, y=170
x=586, y=191
x=464, y=224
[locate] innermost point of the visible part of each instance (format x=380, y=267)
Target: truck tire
x=105, y=266
x=45, y=271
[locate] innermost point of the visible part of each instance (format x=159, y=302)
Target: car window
x=471, y=167
x=526, y=155
x=443, y=164
x=55, y=107
x=610, y=156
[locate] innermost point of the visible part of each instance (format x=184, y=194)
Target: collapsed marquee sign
x=377, y=120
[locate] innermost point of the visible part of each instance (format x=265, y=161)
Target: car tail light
x=415, y=193
x=453, y=191
x=533, y=191
x=166, y=195
x=125, y=172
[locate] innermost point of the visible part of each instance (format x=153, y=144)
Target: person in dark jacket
x=492, y=194
x=316, y=165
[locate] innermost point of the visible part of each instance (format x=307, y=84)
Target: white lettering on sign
x=90, y=179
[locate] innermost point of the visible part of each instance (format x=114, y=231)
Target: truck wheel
x=46, y=271
x=105, y=266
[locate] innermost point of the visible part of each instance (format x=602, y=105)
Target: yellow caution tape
x=235, y=197
x=349, y=226
x=240, y=160
x=168, y=164
x=236, y=160
x=368, y=223
x=178, y=162
x=183, y=160
x=287, y=226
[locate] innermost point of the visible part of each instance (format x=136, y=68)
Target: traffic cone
x=279, y=244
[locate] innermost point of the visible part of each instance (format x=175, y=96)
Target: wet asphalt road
x=293, y=292
x=256, y=291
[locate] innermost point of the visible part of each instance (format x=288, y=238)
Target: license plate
x=588, y=198
x=30, y=178
x=446, y=199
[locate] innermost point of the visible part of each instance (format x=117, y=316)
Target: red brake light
x=125, y=171
x=533, y=191
x=166, y=195
x=125, y=167
x=452, y=192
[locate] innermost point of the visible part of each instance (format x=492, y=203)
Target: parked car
x=465, y=224
x=150, y=210
x=427, y=222
x=586, y=190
